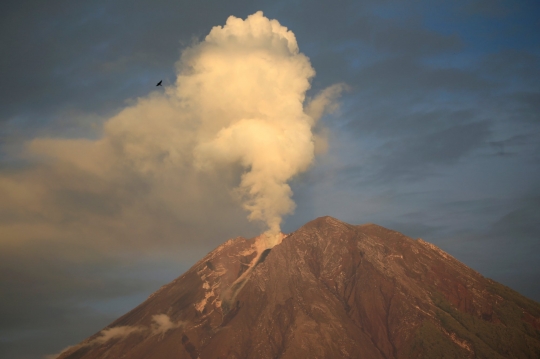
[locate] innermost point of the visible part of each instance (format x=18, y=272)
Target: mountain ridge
x=329, y=290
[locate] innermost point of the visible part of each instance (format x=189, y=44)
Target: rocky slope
x=329, y=290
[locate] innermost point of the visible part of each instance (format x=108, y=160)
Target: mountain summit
x=329, y=290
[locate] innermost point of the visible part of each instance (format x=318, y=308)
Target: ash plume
x=236, y=126
x=250, y=81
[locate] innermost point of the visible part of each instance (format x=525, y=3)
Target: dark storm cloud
x=411, y=39
x=526, y=106
x=513, y=145
x=512, y=239
x=392, y=76
x=424, y=115
x=414, y=157
x=349, y=47
x=511, y=66
x=491, y=8
x=522, y=222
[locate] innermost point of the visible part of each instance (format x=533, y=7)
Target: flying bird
x=159, y=83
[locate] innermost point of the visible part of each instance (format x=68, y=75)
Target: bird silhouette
x=159, y=83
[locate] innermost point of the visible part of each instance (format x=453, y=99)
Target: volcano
x=328, y=290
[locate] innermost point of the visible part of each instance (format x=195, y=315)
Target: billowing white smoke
x=247, y=83
x=238, y=106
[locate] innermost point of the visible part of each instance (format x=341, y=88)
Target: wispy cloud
x=161, y=323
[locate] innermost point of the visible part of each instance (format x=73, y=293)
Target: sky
x=423, y=117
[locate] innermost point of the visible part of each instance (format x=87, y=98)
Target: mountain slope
x=329, y=290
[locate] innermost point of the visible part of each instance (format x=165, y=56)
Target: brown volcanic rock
x=329, y=290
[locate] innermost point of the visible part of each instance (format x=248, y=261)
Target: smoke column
x=248, y=81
